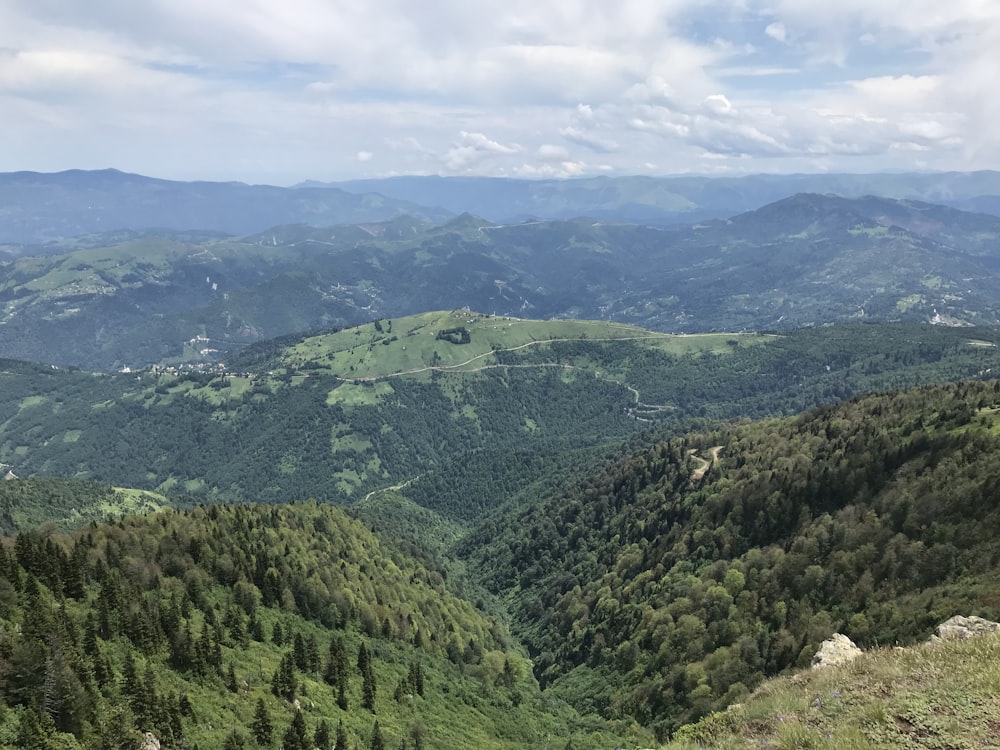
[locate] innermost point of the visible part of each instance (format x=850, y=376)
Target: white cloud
x=776, y=30
x=257, y=90
x=474, y=148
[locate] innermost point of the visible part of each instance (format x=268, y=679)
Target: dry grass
x=944, y=696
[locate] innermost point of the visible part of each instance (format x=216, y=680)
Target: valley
x=429, y=482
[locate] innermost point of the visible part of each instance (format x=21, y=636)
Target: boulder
x=837, y=649
x=150, y=742
x=959, y=628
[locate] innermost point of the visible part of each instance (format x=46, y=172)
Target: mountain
x=48, y=207
x=670, y=200
x=651, y=583
x=225, y=626
x=806, y=260
x=668, y=584
x=43, y=211
x=464, y=409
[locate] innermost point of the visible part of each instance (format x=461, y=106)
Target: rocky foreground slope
x=939, y=694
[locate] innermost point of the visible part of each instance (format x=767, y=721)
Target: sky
x=281, y=91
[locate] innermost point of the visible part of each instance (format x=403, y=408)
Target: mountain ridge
x=807, y=260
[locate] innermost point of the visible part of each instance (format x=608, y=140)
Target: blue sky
x=279, y=91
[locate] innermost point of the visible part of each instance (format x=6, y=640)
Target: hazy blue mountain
x=669, y=200
x=36, y=208
x=805, y=260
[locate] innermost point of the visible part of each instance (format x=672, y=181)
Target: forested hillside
x=250, y=626
x=669, y=584
x=465, y=425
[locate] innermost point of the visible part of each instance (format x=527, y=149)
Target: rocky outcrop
x=835, y=650
x=959, y=628
x=150, y=742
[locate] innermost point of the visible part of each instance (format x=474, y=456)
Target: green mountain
x=668, y=584
x=571, y=479
x=806, y=260
x=463, y=408
x=255, y=626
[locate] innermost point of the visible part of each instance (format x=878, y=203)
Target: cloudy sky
x=279, y=91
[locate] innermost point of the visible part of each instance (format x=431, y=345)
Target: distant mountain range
x=38, y=208
x=139, y=298
x=670, y=200
x=42, y=210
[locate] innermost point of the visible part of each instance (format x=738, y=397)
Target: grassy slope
x=69, y=503
x=352, y=353
x=940, y=695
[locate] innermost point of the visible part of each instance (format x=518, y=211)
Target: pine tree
x=283, y=680
x=299, y=652
x=312, y=653
x=296, y=737
x=340, y=742
x=234, y=741
x=368, y=690
x=378, y=741
x=367, y=676
x=321, y=738
x=262, y=729
x=342, y=696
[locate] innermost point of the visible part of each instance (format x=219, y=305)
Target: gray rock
x=837, y=649
x=959, y=628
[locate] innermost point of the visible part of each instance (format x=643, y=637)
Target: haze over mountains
x=43, y=207
x=139, y=296
x=559, y=523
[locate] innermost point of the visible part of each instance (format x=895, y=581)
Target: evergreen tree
x=283, y=681
x=299, y=652
x=321, y=738
x=340, y=742
x=342, y=695
x=296, y=737
x=312, y=653
x=234, y=741
x=377, y=741
x=262, y=729
x=368, y=690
